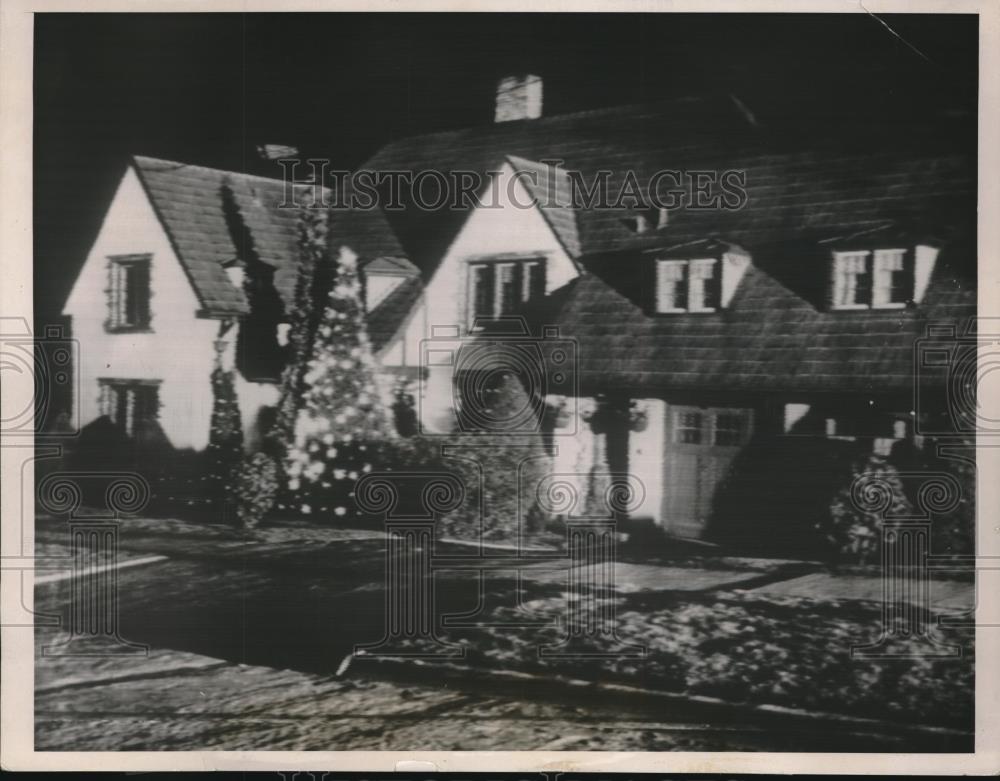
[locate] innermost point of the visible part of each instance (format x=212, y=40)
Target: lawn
x=325, y=588
x=741, y=648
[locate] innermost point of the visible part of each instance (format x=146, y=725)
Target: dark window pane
x=507, y=279
x=689, y=428
x=728, y=429
x=482, y=291
x=713, y=289
x=863, y=294
x=130, y=294
x=902, y=286
x=534, y=281
x=121, y=405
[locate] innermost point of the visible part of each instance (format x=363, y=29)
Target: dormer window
x=892, y=286
x=645, y=220
x=879, y=279
x=687, y=285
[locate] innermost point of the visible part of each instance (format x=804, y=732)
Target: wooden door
x=701, y=443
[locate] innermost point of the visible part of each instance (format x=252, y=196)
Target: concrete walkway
x=945, y=595
x=637, y=578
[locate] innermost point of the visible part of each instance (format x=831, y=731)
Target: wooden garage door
x=701, y=443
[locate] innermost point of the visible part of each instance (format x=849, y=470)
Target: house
x=777, y=297
x=193, y=268
x=792, y=312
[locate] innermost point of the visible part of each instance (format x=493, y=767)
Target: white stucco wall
x=579, y=451
x=645, y=458
x=575, y=449
x=179, y=351
x=379, y=286
x=501, y=229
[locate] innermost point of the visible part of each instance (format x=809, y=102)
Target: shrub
x=511, y=465
x=775, y=499
x=852, y=530
x=225, y=443
x=256, y=489
x=952, y=533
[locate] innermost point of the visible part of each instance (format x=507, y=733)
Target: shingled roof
x=190, y=202
x=815, y=179
x=808, y=187
x=211, y=216
x=768, y=339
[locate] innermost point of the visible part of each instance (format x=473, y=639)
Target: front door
x=701, y=443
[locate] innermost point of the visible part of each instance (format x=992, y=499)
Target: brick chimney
x=519, y=97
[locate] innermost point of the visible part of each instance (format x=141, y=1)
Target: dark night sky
x=207, y=88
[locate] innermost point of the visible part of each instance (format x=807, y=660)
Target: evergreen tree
x=511, y=453
x=342, y=420
x=312, y=252
x=225, y=444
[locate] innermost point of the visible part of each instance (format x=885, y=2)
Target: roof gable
x=550, y=188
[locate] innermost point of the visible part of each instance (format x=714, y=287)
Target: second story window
x=128, y=294
x=501, y=287
x=878, y=280
x=687, y=285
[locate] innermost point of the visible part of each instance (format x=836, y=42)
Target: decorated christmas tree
x=341, y=421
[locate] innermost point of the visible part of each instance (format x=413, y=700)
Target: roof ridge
x=571, y=115
x=140, y=159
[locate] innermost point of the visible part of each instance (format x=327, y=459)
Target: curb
x=695, y=707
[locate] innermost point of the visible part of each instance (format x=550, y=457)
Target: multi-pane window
x=711, y=427
x=891, y=281
x=687, y=285
x=851, y=281
x=688, y=428
x=498, y=288
x=878, y=280
x=130, y=404
x=128, y=293
x=728, y=429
